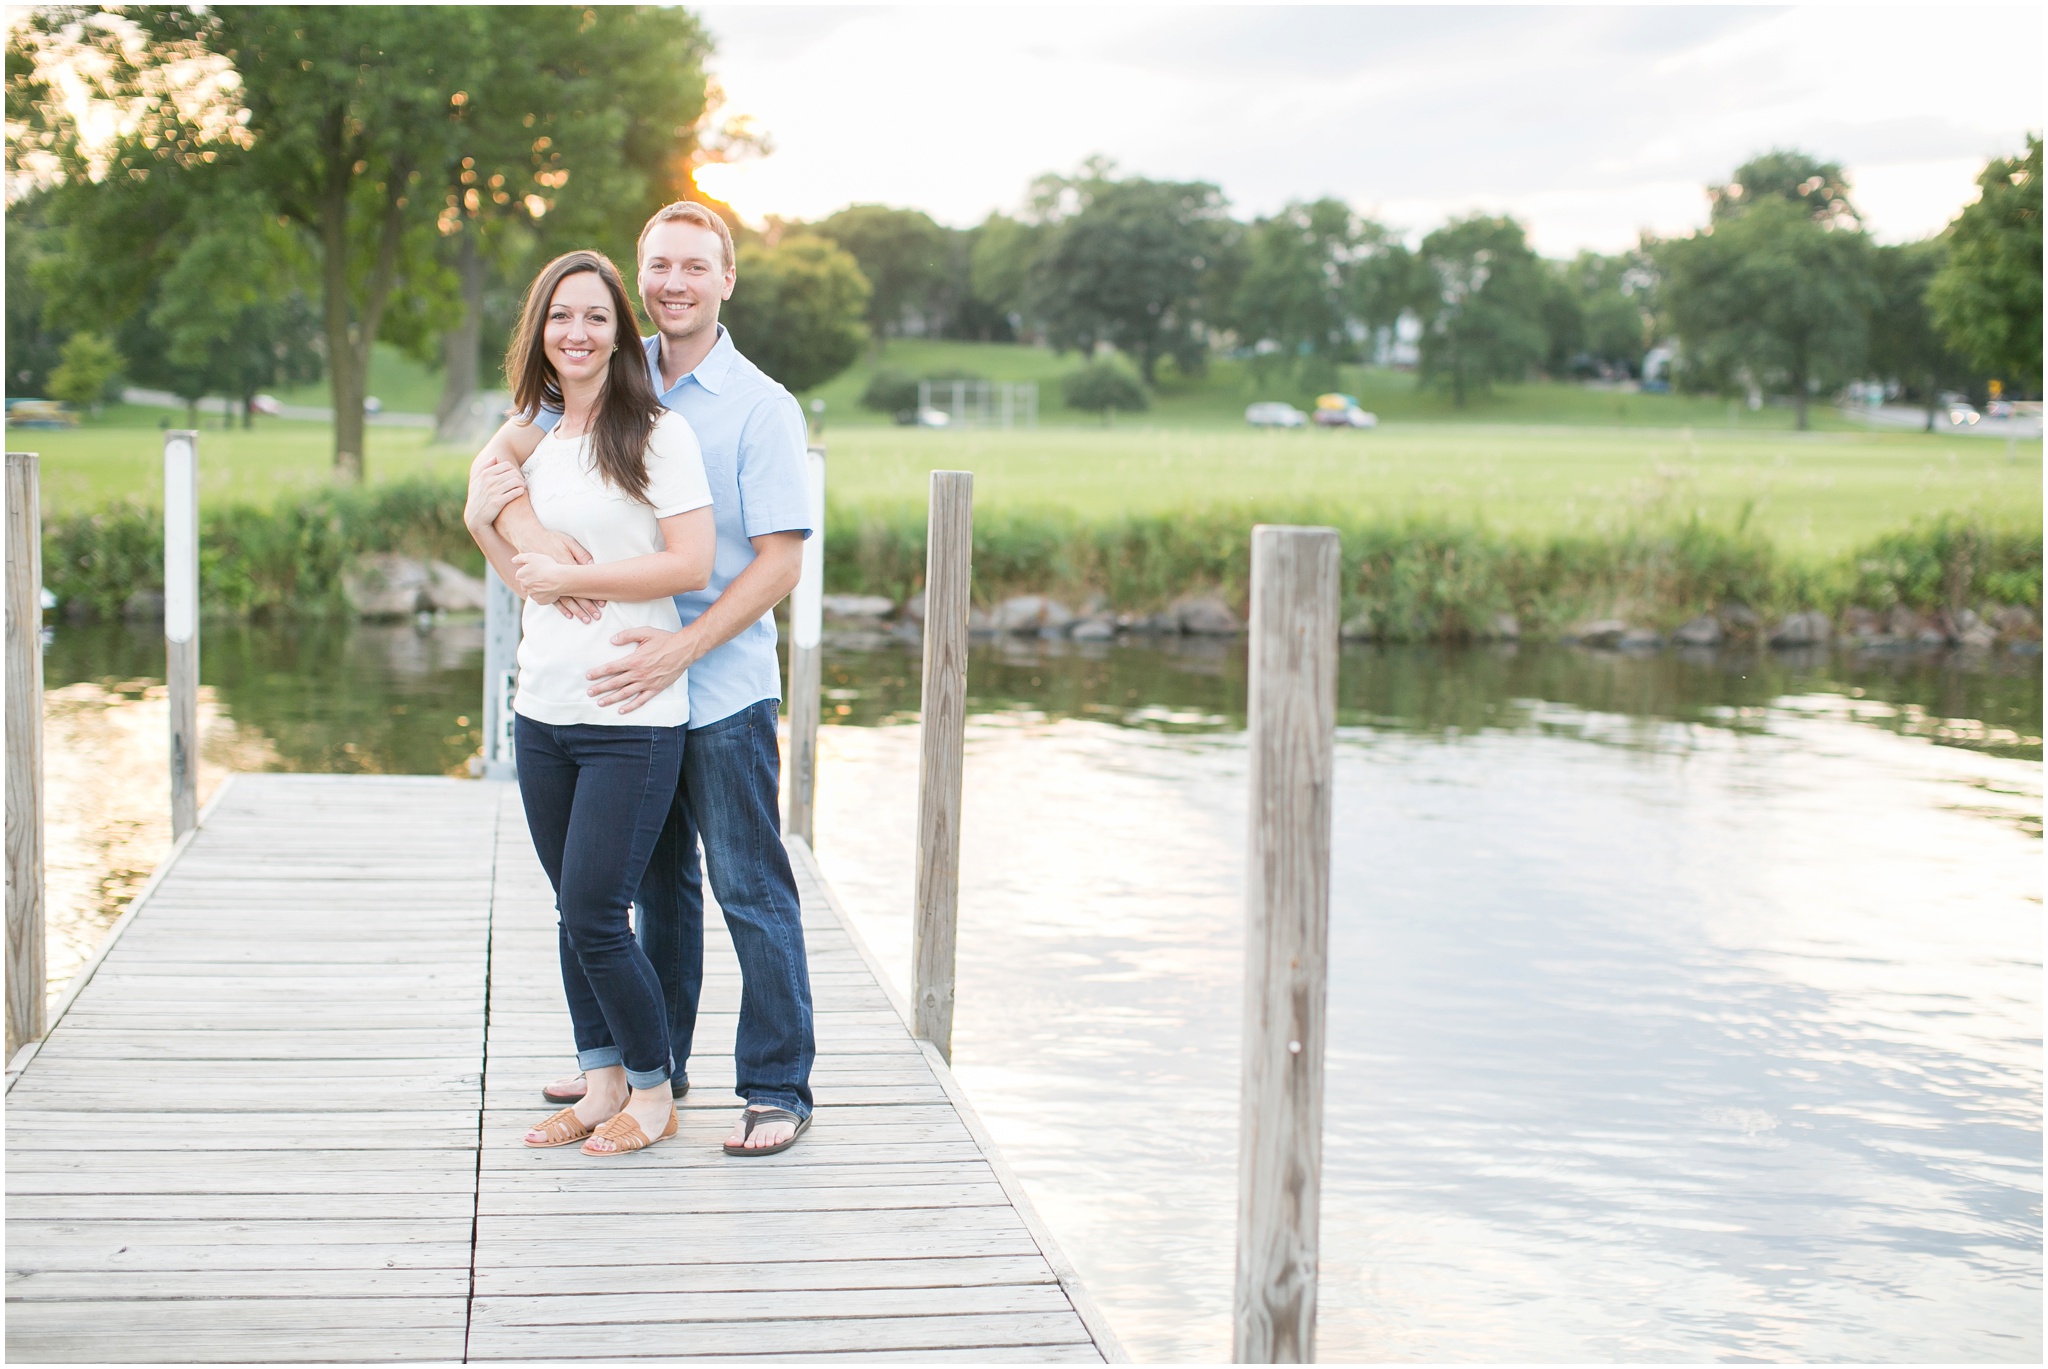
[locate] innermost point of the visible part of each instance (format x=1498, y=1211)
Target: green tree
x=1305, y=282
x=902, y=253
x=1131, y=263
x=575, y=126
x=336, y=120
x=1905, y=346
x=999, y=266
x=89, y=365
x=351, y=119
x=33, y=338
x=797, y=310
x=1103, y=387
x=1771, y=296
x=1800, y=178
x=1987, y=299
x=1481, y=304
x=1597, y=315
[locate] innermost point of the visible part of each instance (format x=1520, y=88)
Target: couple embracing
x=648, y=502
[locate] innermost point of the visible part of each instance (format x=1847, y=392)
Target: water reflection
x=1984, y=702
x=329, y=696
x=106, y=802
x=1679, y=1009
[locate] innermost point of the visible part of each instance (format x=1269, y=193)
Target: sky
x=1588, y=124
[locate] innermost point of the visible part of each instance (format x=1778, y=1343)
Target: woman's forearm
x=499, y=553
x=657, y=575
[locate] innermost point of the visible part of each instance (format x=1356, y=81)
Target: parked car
x=266, y=404
x=40, y=413
x=1342, y=411
x=1999, y=408
x=1270, y=414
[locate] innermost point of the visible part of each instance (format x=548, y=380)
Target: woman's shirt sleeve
x=676, y=482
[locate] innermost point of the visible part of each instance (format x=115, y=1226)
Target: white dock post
x=27, y=971
x=948, y=566
x=1292, y=724
x=806, y=630
x=501, y=675
x=181, y=621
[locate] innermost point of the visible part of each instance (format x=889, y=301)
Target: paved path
x=281, y=1122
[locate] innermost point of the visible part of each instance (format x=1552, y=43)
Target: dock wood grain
x=282, y=1121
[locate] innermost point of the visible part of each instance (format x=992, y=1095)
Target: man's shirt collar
x=711, y=372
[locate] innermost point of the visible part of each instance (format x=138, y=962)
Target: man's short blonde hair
x=689, y=211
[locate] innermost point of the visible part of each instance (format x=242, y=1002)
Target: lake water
x=1680, y=1008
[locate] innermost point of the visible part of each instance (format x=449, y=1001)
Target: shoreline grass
x=1414, y=579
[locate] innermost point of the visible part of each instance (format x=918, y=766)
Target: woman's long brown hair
x=627, y=407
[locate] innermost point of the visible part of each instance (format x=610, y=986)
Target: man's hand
x=492, y=485
x=658, y=661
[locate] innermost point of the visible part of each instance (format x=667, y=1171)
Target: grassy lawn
x=1530, y=458
x=400, y=384
x=1812, y=492
x=119, y=456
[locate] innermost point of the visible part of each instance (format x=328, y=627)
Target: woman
x=624, y=478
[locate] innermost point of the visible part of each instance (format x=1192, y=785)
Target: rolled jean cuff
x=647, y=1079
x=788, y=1102
x=599, y=1057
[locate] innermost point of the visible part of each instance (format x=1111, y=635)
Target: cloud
x=1589, y=123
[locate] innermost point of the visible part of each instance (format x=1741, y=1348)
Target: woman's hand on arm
x=690, y=541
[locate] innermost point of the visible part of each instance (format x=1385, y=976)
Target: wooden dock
x=278, y=1118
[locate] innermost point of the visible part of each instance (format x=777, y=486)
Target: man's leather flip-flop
x=761, y=1116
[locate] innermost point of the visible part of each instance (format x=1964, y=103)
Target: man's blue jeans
x=596, y=797
x=731, y=778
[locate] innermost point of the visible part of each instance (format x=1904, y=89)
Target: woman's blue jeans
x=596, y=797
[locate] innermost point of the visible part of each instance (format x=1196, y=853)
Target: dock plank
x=328, y=1025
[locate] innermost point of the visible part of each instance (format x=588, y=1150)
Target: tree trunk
x=461, y=344
x=1933, y=398
x=346, y=368
x=349, y=339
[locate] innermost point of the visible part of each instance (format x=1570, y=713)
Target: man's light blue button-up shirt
x=753, y=437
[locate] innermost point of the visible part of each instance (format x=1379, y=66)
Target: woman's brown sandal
x=565, y=1128
x=625, y=1134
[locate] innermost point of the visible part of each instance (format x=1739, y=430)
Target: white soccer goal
x=981, y=403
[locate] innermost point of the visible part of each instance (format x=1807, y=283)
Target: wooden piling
x=948, y=564
x=1292, y=724
x=27, y=973
x=181, y=621
x=502, y=608
x=806, y=631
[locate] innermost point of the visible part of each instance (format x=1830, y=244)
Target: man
x=752, y=433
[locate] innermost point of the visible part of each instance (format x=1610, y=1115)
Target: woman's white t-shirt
x=570, y=496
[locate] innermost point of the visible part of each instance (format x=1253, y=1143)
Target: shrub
x=1103, y=387
x=89, y=368
x=889, y=392
x=284, y=560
